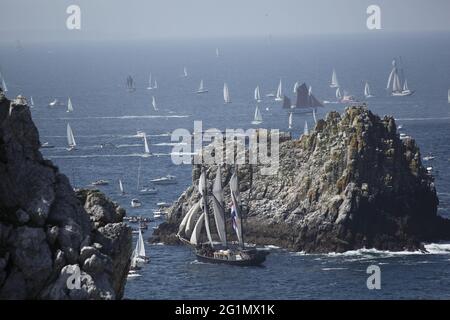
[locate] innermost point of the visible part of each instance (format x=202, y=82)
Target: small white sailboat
x=394, y=83
x=54, y=103
x=135, y=203
x=122, y=190
x=279, y=96
x=338, y=94
x=296, y=85
x=257, y=94
x=448, y=96
x=139, y=257
x=146, y=148
x=201, y=88
x=258, y=117
x=70, y=139
x=185, y=73
x=150, y=82
x=4, y=87
x=226, y=94
x=290, y=120
x=305, y=129
x=69, y=105
x=31, y=101
x=154, y=103
x=367, y=92
x=334, y=80
x=155, y=84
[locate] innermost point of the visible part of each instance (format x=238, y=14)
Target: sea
x=106, y=119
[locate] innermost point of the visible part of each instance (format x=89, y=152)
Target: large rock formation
x=351, y=183
x=48, y=233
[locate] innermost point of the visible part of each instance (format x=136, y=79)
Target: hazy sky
x=45, y=20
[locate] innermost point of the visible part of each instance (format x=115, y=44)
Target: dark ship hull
x=251, y=258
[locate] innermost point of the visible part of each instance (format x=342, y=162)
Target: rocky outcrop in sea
x=350, y=183
x=51, y=235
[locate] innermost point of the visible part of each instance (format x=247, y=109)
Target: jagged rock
x=350, y=183
x=46, y=232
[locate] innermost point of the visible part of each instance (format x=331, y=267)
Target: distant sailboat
x=31, y=101
x=201, y=88
x=305, y=129
x=130, y=84
x=69, y=106
x=286, y=103
x=448, y=97
x=257, y=94
x=4, y=87
x=279, y=96
x=296, y=85
x=306, y=101
x=139, y=257
x=367, y=92
x=122, y=190
x=217, y=52
x=290, y=120
x=70, y=139
x=154, y=103
x=226, y=94
x=338, y=94
x=185, y=73
x=334, y=80
x=155, y=85
x=258, y=117
x=394, y=83
x=314, y=116
x=146, y=148
x=150, y=82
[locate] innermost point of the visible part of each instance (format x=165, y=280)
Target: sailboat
x=226, y=94
x=394, y=83
x=144, y=190
x=257, y=94
x=296, y=85
x=201, y=88
x=122, y=190
x=258, y=117
x=70, y=139
x=139, y=257
x=31, y=101
x=314, y=116
x=155, y=85
x=4, y=87
x=211, y=252
x=146, y=148
x=130, y=84
x=154, y=103
x=305, y=129
x=69, y=106
x=185, y=73
x=150, y=85
x=367, y=92
x=286, y=103
x=338, y=94
x=290, y=120
x=279, y=96
x=448, y=96
x=217, y=52
x=334, y=80
x=306, y=101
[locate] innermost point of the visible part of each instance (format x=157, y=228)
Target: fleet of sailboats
x=226, y=94
x=70, y=139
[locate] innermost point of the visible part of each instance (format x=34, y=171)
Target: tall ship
x=397, y=84
x=306, y=102
x=195, y=228
x=130, y=84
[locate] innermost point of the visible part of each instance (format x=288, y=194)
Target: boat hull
x=256, y=259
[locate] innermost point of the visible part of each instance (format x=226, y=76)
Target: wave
x=167, y=134
x=170, y=144
x=422, y=119
x=332, y=269
x=126, y=117
x=140, y=155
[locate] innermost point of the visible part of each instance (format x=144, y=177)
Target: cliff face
x=47, y=231
x=350, y=183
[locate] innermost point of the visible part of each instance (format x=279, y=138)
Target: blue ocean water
x=94, y=74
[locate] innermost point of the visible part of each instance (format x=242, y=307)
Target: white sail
x=257, y=94
x=314, y=116
x=405, y=85
x=155, y=85
x=154, y=103
x=202, y=186
x=394, y=79
x=226, y=94
x=186, y=223
x=290, y=120
x=185, y=74
x=448, y=97
x=197, y=230
x=258, y=117
x=201, y=88
x=70, y=138
x=367, y=90
x=121, y=186
x=146, y=148
x=338, y=94
x=296, y=85
x=306, y=130
x=4, y=87
x=218, y=208
x=69, y=105
x=32, y=101
x=279, y=96
x=236, y=208
x=334, y=80
x=150, y=82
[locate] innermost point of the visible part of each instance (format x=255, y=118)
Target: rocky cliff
x=48, y=233
x=350, y=183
